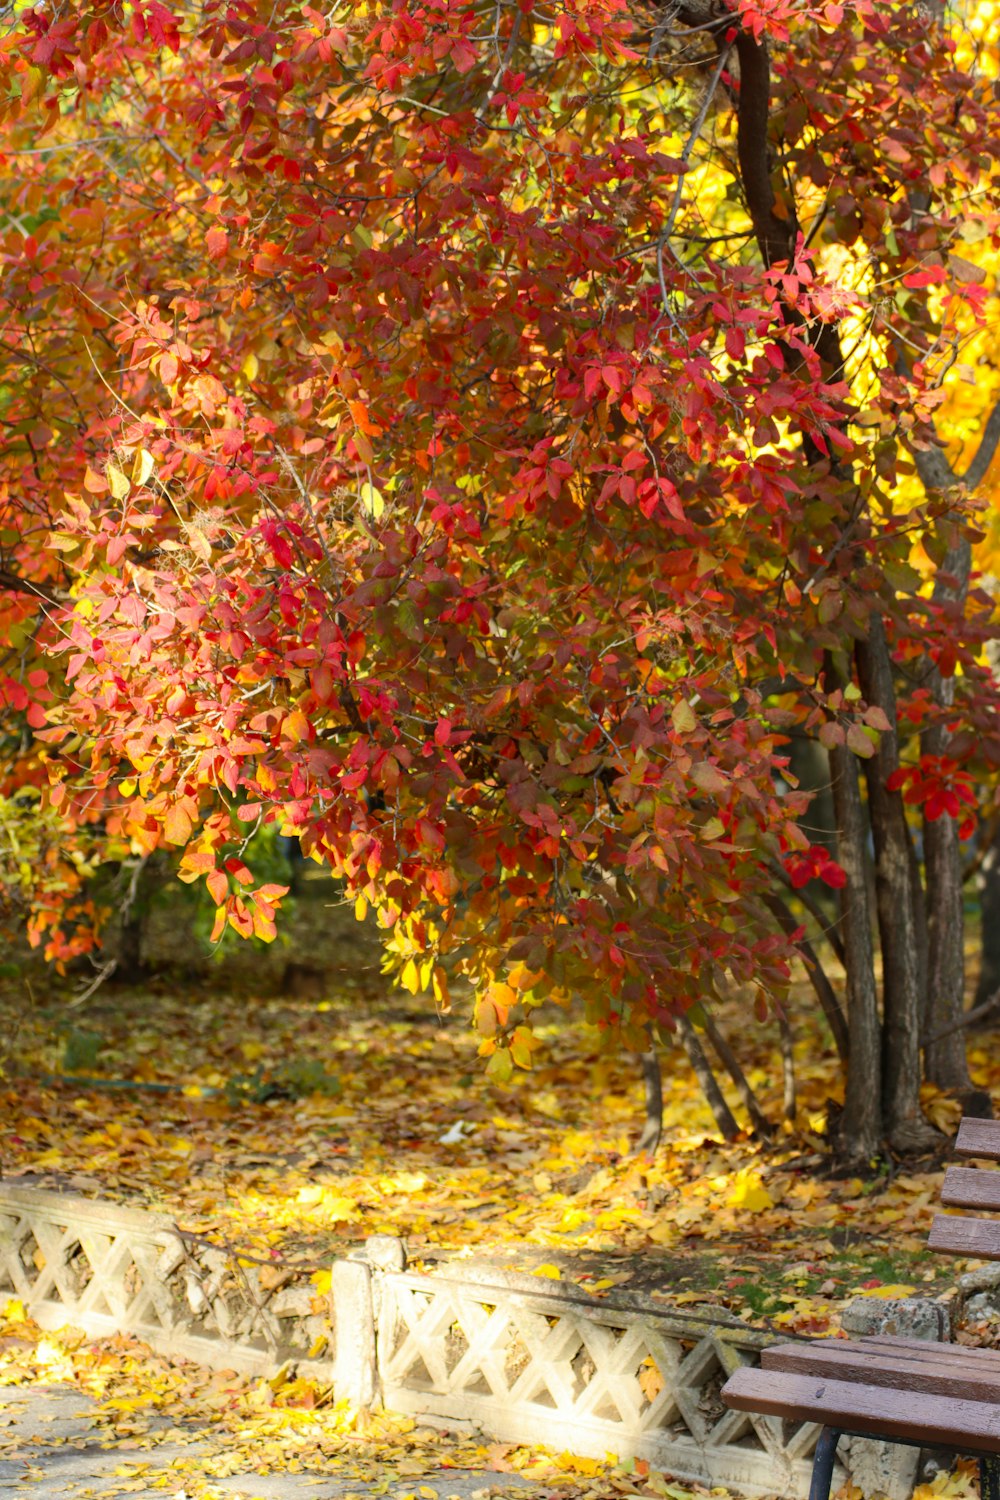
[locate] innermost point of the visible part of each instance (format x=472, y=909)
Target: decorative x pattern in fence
x=108, y=1269
x=526, y=1365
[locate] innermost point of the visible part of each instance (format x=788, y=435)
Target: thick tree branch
x=976, y=472
x=15, y=585
x=935, y=472
x=968, y=1018
x=775, y=236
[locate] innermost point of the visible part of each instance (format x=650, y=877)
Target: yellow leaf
x=177, y=825
x=117, y=482
x=14, y=1312
x=142, y=467
x=522, y=1044
x=440, y=986
x=251, y=366
x=341, y=1210
x=198, y=541
x=371, y=502
x=894, y=1289
x=749, y=1192
x=650, y=1379
x=32, y=83
x=552, y=1272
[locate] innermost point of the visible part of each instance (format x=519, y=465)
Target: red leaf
x=217, y=242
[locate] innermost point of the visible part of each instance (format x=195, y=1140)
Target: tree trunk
x=723, y=1115
x=129, y=966
x=919, y=900
x=905, y=1126
x=861, y=1124
x=944, y=1059
x=652, y=1078
x=789, y=1104
x=988, y=885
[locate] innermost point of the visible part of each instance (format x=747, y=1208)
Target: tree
x=473, y=437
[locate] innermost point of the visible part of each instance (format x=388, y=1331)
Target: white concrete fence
x=467, y=1347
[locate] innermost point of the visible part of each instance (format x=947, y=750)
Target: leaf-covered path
x=56, y=1441
x=81, y=1420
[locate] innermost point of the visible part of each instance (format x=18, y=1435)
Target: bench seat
x=938, y=1415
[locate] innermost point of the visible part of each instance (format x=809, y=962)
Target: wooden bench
x=901, y=1390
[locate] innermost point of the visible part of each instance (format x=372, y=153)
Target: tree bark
x=905, y=1126
x=988, y=886
x=129, y=966
x=789, y=1104
x=723, y=1115
x=861, y=1124
x=945, y=1058
x=919, y=899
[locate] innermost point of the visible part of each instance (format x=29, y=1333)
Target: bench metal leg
x=989, y=1477
x=822, y=1474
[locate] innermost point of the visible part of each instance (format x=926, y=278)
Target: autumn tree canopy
x=474, y=437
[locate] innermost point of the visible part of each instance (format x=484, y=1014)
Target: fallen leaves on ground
x=394, y=1129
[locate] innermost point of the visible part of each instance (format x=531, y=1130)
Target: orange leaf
x=177, y=825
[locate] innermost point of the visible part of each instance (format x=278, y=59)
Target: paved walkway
x=52, y=1444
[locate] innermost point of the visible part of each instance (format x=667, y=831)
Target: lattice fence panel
x=526, y=1365
x=108, y=1269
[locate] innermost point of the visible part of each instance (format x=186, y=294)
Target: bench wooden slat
x=954, y=1235
x=919, y=1349
x=968, y=1187
x=945, y=1373
x=979, y=1138
x=931, y=1421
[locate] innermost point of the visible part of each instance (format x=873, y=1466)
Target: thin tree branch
x=825, y=993
x=826, y=927
x=731, y=1063
x=978, y=1013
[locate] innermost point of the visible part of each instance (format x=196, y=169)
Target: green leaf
x=859, y=741
x=500, y=1068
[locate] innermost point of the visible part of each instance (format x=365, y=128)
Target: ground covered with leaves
x=292, y=1107
x=291, y=1104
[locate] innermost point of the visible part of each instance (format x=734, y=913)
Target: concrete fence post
x=876, y=1467
x=355, y=1374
